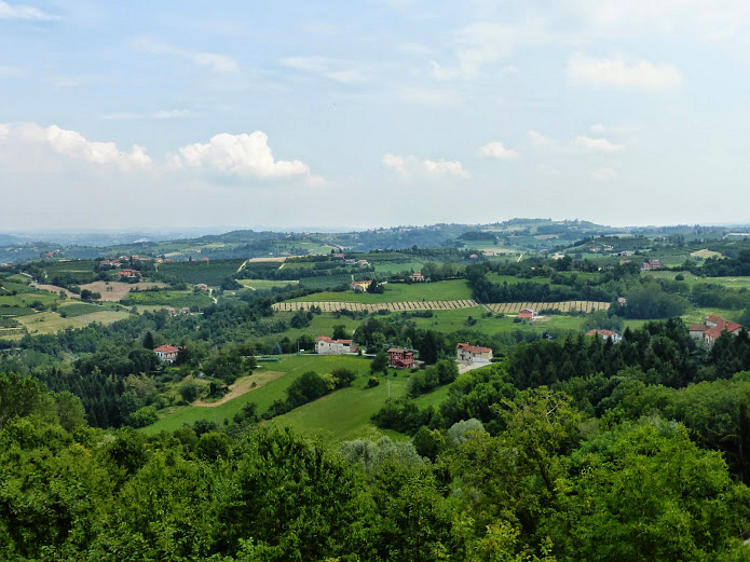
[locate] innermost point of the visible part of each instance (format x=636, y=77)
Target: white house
x=326, y=346
x=605, y=335
x=167, y=353
x=466, y=353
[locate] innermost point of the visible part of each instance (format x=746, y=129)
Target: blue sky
x=377, y=112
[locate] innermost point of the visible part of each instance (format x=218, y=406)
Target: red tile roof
x=723, y=324
x=166, y=349
x=473, y=348
x=329, y=340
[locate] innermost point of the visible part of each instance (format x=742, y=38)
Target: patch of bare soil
x=242, y=386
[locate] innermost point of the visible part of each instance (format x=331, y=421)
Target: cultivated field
x=565, y=306
x=332, y=306
x=408, y=306
x=115, y=291
x=265, y=284
x=453, y=290
x=50, y=322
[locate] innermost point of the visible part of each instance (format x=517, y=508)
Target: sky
x=364, y=113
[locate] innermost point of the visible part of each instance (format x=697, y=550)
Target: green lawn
x=345, y=414
x=398, y=292
x=737, y=282
x=265, y=284
x=397, y=267
x=176, y=299
x=50, y=322
x=453, y=320
x=321, y=325
x=292, y=365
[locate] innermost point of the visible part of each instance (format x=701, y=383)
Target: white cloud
x=333, y=69
x=482, y=43
x=621, y=73
x=539, y=140
x=705, y=19
x=497, y=150
x=220, y=64
x=597, y=145
x=161, y=114
x=4, y=131
x=597, y=128
x=74, y=145
x=243, y=154
x=411, y=166
x=604, y=174
x=217, y=63
x=22, y=12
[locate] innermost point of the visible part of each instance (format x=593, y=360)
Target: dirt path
x=242, y=386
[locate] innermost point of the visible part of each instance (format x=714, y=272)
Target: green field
x=320, y=325
x=737, y=282
x=398, y=292
x=50, y=322
x=209, y=272
x=397, y=267
x=454, y=320
x=265, y=284
x=293, y=366
x=339, y=416
x=73, y=309
x=176, y=299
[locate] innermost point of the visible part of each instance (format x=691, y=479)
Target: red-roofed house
x=167, y=353
x=467, y=353
x=417, y=277
x=713, y=328
x=605, y=335
x=527, y=314
x=400, y=358
x=652, y=265
x=326, y=346
x=129, y=274
x=361, y=286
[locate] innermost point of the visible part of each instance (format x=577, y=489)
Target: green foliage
x=142, y=417
x=379, y=362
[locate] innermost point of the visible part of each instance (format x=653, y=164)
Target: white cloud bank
x=22, y=12
x=497, y=150
x=243, y=154
x=74, y=145
x=621, y=73
x=597, y=145
x=411, y=166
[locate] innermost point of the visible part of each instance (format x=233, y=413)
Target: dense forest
x=551, y=484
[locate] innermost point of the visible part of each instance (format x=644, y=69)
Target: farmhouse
x=652, y=265
x=712, y=329
x=360, y=286
x=326, y=346
x=466, y=353
x=167, y=353
x=129, y=274
x=201, y=287
x=417, y=277
x=528, y=314
x=605, y=335
x=400, y=358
